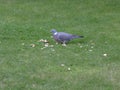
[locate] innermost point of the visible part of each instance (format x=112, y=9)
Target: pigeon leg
x=64, y=43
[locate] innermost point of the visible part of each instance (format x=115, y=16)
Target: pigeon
x=62, y=37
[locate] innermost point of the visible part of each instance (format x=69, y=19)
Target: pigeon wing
x=64, y=37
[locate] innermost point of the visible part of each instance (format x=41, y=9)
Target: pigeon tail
x=75, y=36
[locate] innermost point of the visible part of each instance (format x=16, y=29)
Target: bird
x=63, y=37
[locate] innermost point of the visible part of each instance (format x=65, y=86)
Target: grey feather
x=62, y=37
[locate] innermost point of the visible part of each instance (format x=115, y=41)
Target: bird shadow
x=76, y=42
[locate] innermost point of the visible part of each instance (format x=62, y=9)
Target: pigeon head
x=53, y=31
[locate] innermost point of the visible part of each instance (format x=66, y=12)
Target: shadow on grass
x=77, y=41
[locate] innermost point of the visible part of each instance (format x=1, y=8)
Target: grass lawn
x=91, y=63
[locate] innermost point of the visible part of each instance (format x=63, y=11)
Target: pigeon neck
x=55, y=33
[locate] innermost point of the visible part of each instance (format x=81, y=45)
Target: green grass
x=24, y=22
